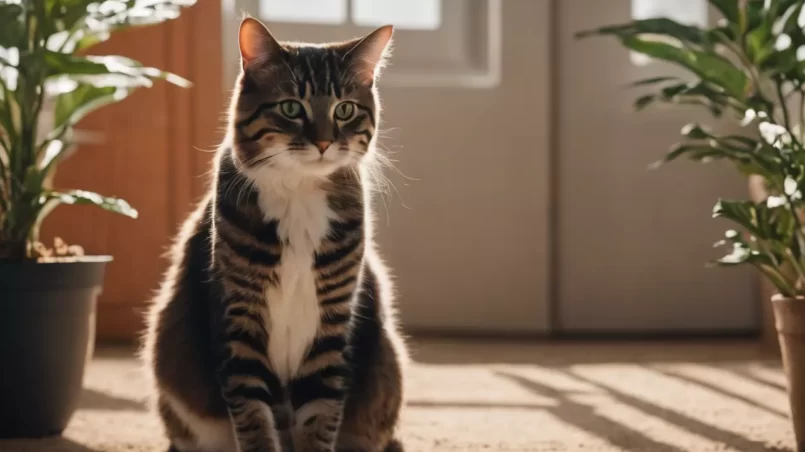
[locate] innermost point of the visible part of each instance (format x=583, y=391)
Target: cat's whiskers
x=247, y=189
x=260, y=159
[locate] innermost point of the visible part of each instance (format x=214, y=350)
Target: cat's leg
x=176, y=430
x=317, y=395
x=248, y=385
x=373, y=407
x=377, y=355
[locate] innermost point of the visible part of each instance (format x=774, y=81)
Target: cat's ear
x=367, y=56
x=256, y=42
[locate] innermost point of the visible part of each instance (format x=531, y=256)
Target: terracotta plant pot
x=789, y=314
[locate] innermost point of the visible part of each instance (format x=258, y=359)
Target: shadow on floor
x=750, y=376
x=584, y=417
x=96, y=400
x=719, y=390
x=474, y=405
x=55, y=444
x=560, y=352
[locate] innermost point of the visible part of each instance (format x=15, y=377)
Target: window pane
x=305, y=11
x=690, y=12
x=410, y=14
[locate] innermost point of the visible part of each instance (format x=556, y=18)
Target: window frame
x=465, y=51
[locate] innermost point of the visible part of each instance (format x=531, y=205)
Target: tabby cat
x=272, y=330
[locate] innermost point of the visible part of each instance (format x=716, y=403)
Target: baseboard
x=120, y=322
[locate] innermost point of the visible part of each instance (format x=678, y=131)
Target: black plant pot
x=47, y=335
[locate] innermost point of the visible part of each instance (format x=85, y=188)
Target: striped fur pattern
x=272, y=330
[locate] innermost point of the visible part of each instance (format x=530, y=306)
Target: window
x=408, y=14
x=304, y=11
x=689, y=12
x=436, y=42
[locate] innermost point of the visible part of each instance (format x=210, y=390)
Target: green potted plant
x=751, y=67
x=47, y=295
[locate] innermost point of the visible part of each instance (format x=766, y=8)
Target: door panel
x=633, y=243
x=471, y=249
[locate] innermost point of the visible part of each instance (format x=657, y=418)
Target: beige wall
x=468, y=234
x=632, y=243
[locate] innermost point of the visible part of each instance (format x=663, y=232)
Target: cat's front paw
x=310, y=440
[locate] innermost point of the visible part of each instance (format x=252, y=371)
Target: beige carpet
x=503, y=396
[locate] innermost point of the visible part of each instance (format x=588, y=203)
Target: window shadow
x=695, y=426
x=54, y=444
x=749, y=376
x=719, y=390
x=475, y=405
x=584, y=417
x=562, y=352
x=96, y=400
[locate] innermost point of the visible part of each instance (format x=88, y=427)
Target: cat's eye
x=344, y=111
x=292, y=109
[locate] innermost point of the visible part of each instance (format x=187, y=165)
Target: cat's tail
x=394, y=446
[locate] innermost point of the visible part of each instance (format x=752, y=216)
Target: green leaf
x=699, y=153
x=657, y=27
x=63, y=63
x=644, y=101
x=65, y=14
x=89, y=24
x=787, y=23
x=759, y=44
x=71, y=107
x=742, y=252
x=740, y=212
x=652, y=81
x=702, y=93
x=78, y=197
x=32, y=181
x=709, y=66
x=12, y=31
x=696, y=132
x=728, y=9
x=107, y=70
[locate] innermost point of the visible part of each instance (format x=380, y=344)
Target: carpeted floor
x=505, y=396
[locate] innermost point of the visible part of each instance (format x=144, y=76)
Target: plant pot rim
x=76, y=260
x=32, y=276
x=779, y=298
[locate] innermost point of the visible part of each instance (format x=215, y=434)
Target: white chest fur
x=303, y=214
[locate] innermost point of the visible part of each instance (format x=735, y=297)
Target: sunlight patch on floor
x=515, y=396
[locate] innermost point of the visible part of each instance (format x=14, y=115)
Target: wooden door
x=152, y=155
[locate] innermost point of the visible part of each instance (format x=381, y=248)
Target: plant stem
x=795, y=142
x=786, y=119
x=9, y=128
x=801, y=111
x=778, y=280
x=796, y=264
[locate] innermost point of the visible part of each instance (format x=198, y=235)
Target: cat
x=273, y=328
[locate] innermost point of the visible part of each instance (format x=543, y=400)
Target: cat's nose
x=323, y=145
